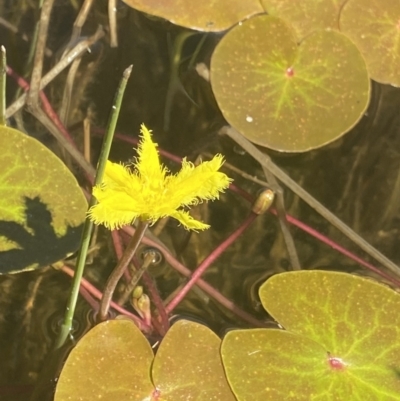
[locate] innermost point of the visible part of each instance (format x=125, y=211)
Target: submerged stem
x=120, y=268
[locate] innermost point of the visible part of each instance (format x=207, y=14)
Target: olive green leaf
x=374, y=26
x=207, y=15
x=286, y=96
x=188, y=365
x=113, y=362
x=306, y=16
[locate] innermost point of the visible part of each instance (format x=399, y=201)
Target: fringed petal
x=193, y=184
x=109, y=217
x=188, y=221
x=114, y=208
x=148, y=164
x=116, y=175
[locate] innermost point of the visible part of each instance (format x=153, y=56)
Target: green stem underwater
x=120, y=268
x=88, y=225
x=3, y=68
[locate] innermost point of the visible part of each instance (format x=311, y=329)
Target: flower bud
x=263, y=202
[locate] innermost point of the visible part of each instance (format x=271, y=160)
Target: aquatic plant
x=150, y=193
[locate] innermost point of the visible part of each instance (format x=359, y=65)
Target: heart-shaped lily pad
x=342, y=343
x=113, y=360
x=374, y=26
x=206, y=15
x=42, y=207
x=287, y=97
x=306, y=16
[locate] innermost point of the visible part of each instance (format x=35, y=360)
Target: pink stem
x=88, y=298
x=334, y=245
x=97, y=294
x=209, y=260
x=158, y=303
x=314, y=233
x=207, y=288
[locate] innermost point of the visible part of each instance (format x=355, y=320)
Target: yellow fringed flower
x=150, y=193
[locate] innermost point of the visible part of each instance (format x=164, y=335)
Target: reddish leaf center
x=155, y=395
x=336, y=363
x=290, y=72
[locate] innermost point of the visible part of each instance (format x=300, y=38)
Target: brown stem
x=120, y=268
x=266, y=161
x=33, y=94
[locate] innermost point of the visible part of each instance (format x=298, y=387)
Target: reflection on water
x=32, y=305
x=357, y=177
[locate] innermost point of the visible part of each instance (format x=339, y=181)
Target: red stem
x=337, y=247
x=207, y=288
x=97, y=294
x=327, y=241
x=209, y=260
x=162, y=323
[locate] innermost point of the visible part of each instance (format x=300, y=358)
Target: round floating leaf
x=207, y=15
x=188, y=365
x=355, y=321
x=374, y=26
x=287, y=97
x=306, y=16
x=271, y=365
x=42, y=208
x=111, y=362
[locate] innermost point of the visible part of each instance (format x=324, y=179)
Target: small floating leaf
x=111, y=362
x=206, y=15
x=287, y=97
x=374, y=26
x=42, y=207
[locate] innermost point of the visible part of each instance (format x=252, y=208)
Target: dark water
x=356, y=177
